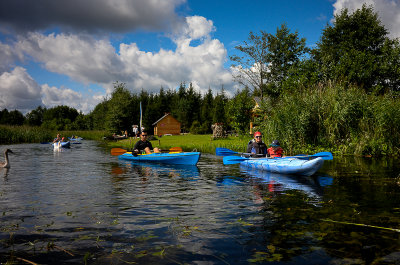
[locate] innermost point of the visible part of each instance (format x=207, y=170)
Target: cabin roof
x=166, y=114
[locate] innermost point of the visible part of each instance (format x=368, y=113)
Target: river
x=84, y=206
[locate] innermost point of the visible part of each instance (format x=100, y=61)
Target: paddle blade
x=324, y=155
x=118, y=151
x=175, y=149
x=230, y=160
x=220, y=151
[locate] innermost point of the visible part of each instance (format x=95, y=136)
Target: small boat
x=63, y=144
x=289, y=166
x=173, y=158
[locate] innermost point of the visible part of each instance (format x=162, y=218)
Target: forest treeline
x=342, y=94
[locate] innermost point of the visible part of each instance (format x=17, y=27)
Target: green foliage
x=35, y=117
x=356, y=49
x=14, y=117
x=267, y=60
x=239, y=110
x=284, y=52
x=334, y=117
x=24, y=134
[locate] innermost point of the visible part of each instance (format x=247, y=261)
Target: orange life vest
x=275, y=153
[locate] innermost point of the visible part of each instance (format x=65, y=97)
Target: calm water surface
x=83, y=205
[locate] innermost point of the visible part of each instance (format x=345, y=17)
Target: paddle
x=220, y=151
x=230, y=160
x=323, y=155
x=120, y=151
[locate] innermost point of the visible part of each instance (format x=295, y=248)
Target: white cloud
x=19, y=91
x=53, y=96
x=87, y=60
x=388, y=12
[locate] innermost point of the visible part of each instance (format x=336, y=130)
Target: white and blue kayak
x=172, y=158
x=288, y=166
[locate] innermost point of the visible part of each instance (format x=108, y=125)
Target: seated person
x=144, y=145
x=57, y=139
x=275, y=150
x=256, y=147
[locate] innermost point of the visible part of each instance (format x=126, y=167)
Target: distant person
x=57, y=139
x=275, y=150
x=256, y=147
x=135, y=130
x=144, y=145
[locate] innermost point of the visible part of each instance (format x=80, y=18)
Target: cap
x=275, y=143
x=257, y=134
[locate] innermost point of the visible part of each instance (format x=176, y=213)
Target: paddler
x=144, y=145
x=256, y=147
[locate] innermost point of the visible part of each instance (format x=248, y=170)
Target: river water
x=84, y=206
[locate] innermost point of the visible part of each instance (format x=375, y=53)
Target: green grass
x=189, y=142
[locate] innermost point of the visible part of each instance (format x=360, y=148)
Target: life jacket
x=257, y=148
x=275, y=153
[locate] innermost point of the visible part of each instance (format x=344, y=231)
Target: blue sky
x=71, y=52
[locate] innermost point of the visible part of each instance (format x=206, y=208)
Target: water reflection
x=187, y=172
x=279, y=183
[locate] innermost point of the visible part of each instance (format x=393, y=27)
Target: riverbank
x=201, y=143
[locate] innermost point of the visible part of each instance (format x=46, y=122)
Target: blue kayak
x=63, y=144
x=174, y=158
x=289, y=166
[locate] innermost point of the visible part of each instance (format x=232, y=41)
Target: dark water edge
x=82, y=205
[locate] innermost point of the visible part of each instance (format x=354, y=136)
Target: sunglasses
x=144, y=135
x=258, y=136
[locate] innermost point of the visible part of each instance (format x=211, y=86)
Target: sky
x=72, y=52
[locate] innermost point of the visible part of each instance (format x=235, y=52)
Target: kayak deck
x=173, y=158
x=289, y=166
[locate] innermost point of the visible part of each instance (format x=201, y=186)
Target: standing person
x=257, y=147
x=144, y=145
x=135, y=130
x=275, y=150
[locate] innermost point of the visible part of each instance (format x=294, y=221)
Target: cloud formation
x=89, y=15
x=388, y=12
x=88, y=60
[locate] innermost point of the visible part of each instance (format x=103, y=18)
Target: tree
x=267, y=60
x=239, y=110
x=35, y=117
x=250, y=69
x=59, y=117
x=285, y=51
x=13, y=117
x=352, y=49
x=118, y=114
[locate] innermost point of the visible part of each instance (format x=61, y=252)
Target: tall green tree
x=267, y=59
x=250, y=68
x=239, y=110
x=285, y=51
x=353, y=49
x=35, y=117
x=59, y=117
x=118, y=114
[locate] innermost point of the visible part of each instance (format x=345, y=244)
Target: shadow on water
x=82, y=205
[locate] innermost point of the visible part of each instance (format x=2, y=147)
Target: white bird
x=6, y=164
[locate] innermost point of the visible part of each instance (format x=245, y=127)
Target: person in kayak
x=256, y=147
x=57, y=139
x=144, y=145
x=275, y=150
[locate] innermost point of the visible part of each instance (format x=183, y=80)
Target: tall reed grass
x=345, y=120
x=23, y=134
x=28, y=134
